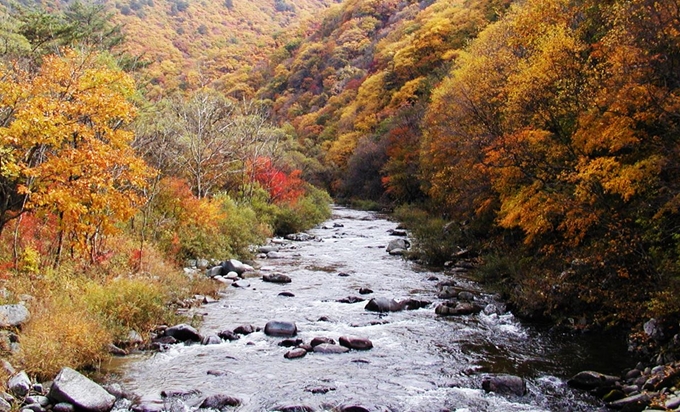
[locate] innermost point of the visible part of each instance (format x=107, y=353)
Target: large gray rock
x=276, y=278
x=457, y=309
x=505, y=385
x=384, y=305
x=329, y=348
x=244, y=329
x=634, y=403
x=183, y=332
x=13, y=315
x=355, y=343
x=19, y=385
x=588, y=380
x=219, y=402
x=280, y=328
x=233, y=265
x=300, y=237
x=295, y=353
x=398, y=245
x=76, y=389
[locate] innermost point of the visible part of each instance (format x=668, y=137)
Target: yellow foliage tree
x=69, y=152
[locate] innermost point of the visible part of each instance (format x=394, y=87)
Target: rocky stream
x=330, y=321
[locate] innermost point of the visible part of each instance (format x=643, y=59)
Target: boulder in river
x=276, y=278
x=457, y=309
x=353, y=408
x=329, y=348
x=295, y=408
x=289, y=343
x=72, y=387
x=351, y=299
x=356, y=343
x=365, y=291
x=588, y=380
x=321, y=339
x=299, y=237
x=504, y=384
x=228, y=335
x=384, y=305
x=633, y=403
x=211, y=340
x=398, y=246
x=233, y=265
x=280, y=328
x=244, y=329
x=413, y=304
x=183, y=333
x=219, y=402
x=295, y=353
x=275, y=255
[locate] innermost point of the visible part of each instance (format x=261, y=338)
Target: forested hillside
x=544, y=132
x=190, y=44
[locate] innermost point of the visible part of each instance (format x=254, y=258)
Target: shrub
x=435, y=241
x=126, y=304
x=311, y=209
x=62, y=332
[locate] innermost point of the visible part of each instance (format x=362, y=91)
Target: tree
x=66, y=149
x=215, y=141
x=202, y=148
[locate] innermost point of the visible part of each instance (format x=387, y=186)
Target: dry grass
x=78, y=309
x=61, y=333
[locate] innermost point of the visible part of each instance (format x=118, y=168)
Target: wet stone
x=295, y=353
x=295, y=408
x=228, y=335
x=280, y=328
x=328, y=348
x=354, y=408
x=355, y=343
x=244, y=329
x=320, y=389
x=351, y=299
x=319, y=340
x=383, y=305
x=219, y=401
x=588, y=380
x=505, y=385
x=276, y=278
x=289, y=343
x=183, y=333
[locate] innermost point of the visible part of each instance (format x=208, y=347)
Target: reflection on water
x=419, y=362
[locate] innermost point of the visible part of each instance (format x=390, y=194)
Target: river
x=419, y=362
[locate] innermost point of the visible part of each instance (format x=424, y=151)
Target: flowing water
x=419, y=362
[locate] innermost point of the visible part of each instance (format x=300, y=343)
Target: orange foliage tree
x=557, y=121
x=65, y=147
x=282, y=187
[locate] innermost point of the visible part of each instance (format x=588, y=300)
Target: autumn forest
x=539, y=137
